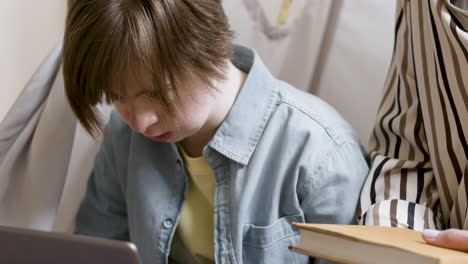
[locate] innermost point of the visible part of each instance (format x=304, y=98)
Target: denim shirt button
x=168, y=223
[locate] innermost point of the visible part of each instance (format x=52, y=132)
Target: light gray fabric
x=29, y=102
x=45, y=156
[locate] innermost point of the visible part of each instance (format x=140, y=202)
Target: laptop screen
x=27, y=246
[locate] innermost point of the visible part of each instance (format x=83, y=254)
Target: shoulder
x=305, y=113
x=306, y=127
x=311, y=136
x=330, y=148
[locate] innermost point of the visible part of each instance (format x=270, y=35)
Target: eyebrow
x=117, y=95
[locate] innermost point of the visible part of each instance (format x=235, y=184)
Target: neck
x=225, y=95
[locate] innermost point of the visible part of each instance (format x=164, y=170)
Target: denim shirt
x=280, y=156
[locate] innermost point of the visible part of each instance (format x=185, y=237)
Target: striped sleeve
x=401, y=188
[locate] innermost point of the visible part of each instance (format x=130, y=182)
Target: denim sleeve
x=103, y=211
x=332, y=189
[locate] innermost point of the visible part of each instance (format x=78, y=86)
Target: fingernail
x=430, y=233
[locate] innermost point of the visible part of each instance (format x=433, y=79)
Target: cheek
x=194, y=110
x=195, y=117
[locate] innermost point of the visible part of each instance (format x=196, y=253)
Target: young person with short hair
x=207, y=158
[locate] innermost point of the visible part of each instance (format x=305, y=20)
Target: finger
x=452, y=238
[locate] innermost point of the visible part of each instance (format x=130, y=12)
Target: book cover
x=371, y=244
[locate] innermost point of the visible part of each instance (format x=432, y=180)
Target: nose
x=143, y=120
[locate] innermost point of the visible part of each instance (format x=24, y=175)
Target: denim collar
x=238, y=135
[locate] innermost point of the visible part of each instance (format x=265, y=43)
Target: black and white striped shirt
x=419, y=146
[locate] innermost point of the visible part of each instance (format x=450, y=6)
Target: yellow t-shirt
x=196, y=222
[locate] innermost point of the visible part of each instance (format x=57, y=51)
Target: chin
x=177, y=139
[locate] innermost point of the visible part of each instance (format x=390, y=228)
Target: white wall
x=358, y=60
x=28, y=31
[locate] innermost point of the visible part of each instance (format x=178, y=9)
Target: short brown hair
x=172, y=40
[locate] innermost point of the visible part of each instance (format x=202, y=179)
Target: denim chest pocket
x=269, y=244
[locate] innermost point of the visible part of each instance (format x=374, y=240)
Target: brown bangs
x=173, y=41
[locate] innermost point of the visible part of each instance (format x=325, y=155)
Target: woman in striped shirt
x=419, y=150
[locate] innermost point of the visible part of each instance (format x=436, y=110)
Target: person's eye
x=119, y=99
x=114, y=98
x=151, y=95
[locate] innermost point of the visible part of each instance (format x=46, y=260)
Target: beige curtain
x=291, y=36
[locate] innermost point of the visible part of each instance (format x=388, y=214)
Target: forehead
x=131, y=82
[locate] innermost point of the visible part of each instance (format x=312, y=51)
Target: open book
x=371, y=244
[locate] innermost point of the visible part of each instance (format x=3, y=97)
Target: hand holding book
x=453, y=238
x=376, y=244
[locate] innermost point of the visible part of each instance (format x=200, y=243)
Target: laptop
x=25, y=246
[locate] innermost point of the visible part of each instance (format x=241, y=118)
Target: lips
x=163, y=137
